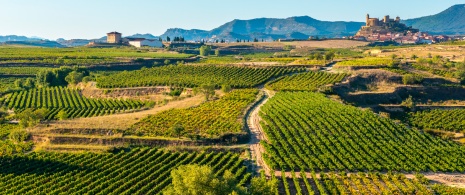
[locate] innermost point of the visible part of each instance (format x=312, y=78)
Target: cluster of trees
x=28, y=83
x=61, y=76
x=197, y=179
x=248, y=40
x=176, y=39
x=328, y=56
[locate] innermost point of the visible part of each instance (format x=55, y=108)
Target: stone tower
x=114, y=37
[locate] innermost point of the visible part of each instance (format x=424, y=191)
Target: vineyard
x=355, y=184
x=139, y=171
x=78, y=56
x=18, y=70
x=310, y=81
x=366, y=62
x=307, y=131
x=56, y=99
x=193, y=76
x=449, y=120
x=212, y=118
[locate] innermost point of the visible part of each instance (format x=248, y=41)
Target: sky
x=52, y=19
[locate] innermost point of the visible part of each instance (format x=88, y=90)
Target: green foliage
x=262, y=186
x=205, y=50
x=74, y=77
x=309, y=81
x=207, y=89
x=410, y=79
x=77, y=56
x=409, y=103
x=5, y=129
x=197, y=180
x=8, y=147
x=57, y=99
x=60, y=77
x=225, y=88
x=62, y=115
x=136, y=171
x=366, y=62
x=212, y=118
x=342, y=137
x=356, y=183
x=217, y=52
x=448, y=120
x=193, y=76
x=18, y=135
x=30, y=117
x=178, y=129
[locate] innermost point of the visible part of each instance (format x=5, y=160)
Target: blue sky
x=68, y=19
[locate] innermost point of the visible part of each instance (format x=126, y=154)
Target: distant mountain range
x=271, y=28
x=449, y=22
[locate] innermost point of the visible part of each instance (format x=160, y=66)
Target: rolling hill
x=451, y=21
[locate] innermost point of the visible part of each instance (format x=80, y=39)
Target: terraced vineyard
x=449, y=120
x=57, y=99
x=366, y=62
x=18, y=70
x=193, y=76
x=139, y=171
x=353, y=183
x=78, y=56
x=307, y=131
x=8, y=83
x=309, y=81
x=213, y=118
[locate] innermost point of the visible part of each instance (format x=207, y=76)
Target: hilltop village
x=392, y=30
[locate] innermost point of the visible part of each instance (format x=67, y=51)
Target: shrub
x=18, y=135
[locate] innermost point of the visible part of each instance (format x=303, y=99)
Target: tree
x=62, y=115
x=225, y=88
x=205, y=50
x=207, y=89
x=18, y=135
x=29, y=83
x=18, y=83
x=178, y=129
x=201, y=180
x=393, y=56
x=262, y=186
x=166, y=62
x=414, y=57
x=168, y=39
x=409, y=103
x=329, y=56
x=217, y=52
x=30, y=118
x=74, y=77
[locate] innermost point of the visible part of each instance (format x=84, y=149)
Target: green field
x=343, y=137
x=78, y=55
x=56, y=99
x=193, y=76
x=309, y=81
x=366, y=62
x=448, y=120
x=212, y=118
x=139, y=171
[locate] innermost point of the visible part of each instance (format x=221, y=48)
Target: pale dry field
x=454, y=53
x=300, y=44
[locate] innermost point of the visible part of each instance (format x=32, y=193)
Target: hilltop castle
x=386, y=26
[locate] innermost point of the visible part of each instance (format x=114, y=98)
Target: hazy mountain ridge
x=271, y=28
x=450, y=21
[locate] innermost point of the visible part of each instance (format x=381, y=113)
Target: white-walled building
x=145, y=42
